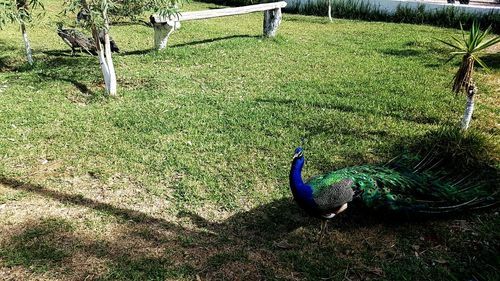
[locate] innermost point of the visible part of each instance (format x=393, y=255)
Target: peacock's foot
x=323, y=230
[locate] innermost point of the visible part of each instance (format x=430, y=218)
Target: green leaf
x=453, y=45
x=481, y=63
x=488, y=44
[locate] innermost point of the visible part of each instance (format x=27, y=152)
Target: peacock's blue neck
x=302, y=192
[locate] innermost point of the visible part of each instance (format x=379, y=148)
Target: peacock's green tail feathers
x=420, y=188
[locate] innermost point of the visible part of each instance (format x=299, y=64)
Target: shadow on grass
x=439, y=55
x=137, y=22
x=403, y=52
x=272, y=241
x=78, y=85
x=125, y=214
x=209, y=248
x=193, y=43
x=5, y=57
x=308, y=19
x=424, y=53
x=60, y=66
x=66, y=53
x=137, y=52
x=492, y=60
x=268, y=242
x=73, y=70
x=415, y=118
x=211, y=40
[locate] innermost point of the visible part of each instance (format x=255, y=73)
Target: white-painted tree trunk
x=107, y=73
x=104, y=67
x=330, y=10
x=112, y=86
x=27, y=46
x=469, y=107
x=105, y=58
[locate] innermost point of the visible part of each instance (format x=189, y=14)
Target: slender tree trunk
x=469, y=106
x=27, y=46
x=330, y=10
x=111, y=85
x=102, y=58
x=104, y=53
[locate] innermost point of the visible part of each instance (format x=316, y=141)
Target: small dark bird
x=112, y=43
x=401, y=188
x=84, y=16
x=76, y=40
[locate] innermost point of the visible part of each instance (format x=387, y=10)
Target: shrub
x=359, y=9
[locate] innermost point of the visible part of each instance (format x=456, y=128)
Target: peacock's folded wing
x=334, y=196
x=332, y=190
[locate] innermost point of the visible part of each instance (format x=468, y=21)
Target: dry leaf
x=440, y=261
x=283, y=244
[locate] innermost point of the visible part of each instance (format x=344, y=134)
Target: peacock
x=112, y=43
x=76, y=40
x=397, y=187
x=84, y=16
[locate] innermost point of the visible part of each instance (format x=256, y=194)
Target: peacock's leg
x=324, y=224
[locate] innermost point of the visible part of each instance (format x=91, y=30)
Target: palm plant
x=469, y=47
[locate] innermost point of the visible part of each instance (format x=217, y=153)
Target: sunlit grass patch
x=184, y=175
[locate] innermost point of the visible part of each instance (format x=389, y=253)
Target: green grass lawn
x=184, y=175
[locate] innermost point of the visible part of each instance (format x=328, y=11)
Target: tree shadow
x=415, y=49
x=205, y=248
x=137, y=22
x=403, y=52
x=192, y=43
x=61, y=66
x=78, y=85
x=137, y=52
x=66, y=53
x=125, y=214
x=492, y=60
x=308, y=19
x=422, y=54
x=5, y=58
x=335, y=105
x=50, y=244
x=270, y=241
x=211, y=40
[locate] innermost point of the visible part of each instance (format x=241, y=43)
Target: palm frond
x=487, y=44
x=481, y=63
x=451, y=57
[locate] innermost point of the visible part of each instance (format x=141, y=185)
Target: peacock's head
x=299, y=153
